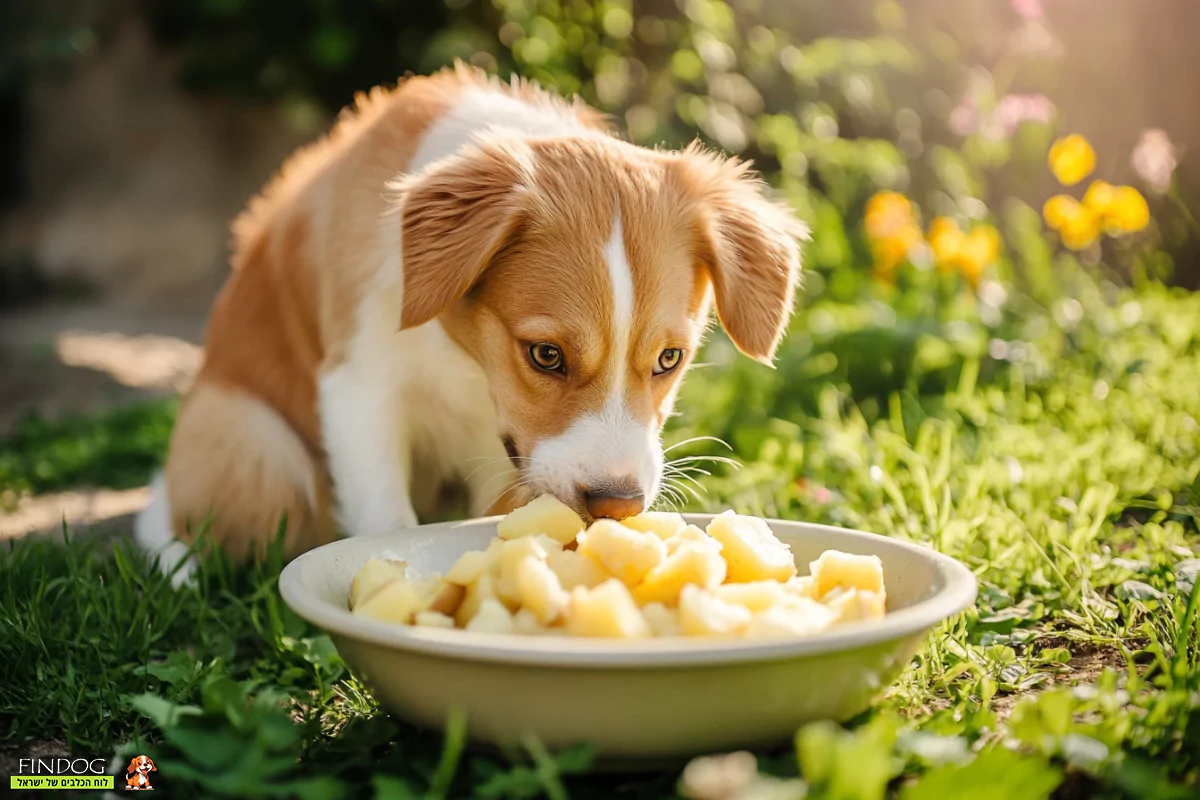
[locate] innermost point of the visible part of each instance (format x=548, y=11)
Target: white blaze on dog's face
x=580, y=272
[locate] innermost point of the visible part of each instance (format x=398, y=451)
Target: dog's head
x=141, y=765
x=580, y=273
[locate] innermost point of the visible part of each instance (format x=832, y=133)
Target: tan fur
x=230, y=448
x=504, y=243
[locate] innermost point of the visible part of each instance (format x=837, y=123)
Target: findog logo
x=137, y=774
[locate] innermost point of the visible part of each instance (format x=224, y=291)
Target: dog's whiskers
x=715, y=459
x=695, y=439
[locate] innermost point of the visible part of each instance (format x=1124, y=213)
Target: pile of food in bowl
x=650, y=575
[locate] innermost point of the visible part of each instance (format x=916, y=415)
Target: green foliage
x=1037, y=421
x=118, y=449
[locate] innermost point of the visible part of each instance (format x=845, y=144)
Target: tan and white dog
x=465, y=281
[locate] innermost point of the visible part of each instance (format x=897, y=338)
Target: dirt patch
x=93, y=509
x=1086, y=664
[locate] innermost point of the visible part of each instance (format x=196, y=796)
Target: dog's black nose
x=614, y=504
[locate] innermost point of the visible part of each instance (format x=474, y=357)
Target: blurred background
x=916, y=138
x=131, y=131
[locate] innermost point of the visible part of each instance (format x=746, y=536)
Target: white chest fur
x=409, y=410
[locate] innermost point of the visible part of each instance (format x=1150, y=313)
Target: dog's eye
x=668, y=360
x=547, y=357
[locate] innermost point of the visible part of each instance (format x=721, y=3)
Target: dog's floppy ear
x=749, y=246
x=132, y=765
x=152, y=767
x=455, y=216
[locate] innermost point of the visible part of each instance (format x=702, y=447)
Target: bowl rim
x=959, y=591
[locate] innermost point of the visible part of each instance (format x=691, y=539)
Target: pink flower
x=1030, y=9
x=1002, y=122
x=1017, y=108
x=1154, y=159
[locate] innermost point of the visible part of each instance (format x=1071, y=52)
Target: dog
x=466, y=281
x=137, y=774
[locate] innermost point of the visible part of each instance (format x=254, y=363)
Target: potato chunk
x=754, y=596
x=691, y=535
x=546, y=514
x=375, y=574
x=446, y=597
x=511, y=555
x=663, y=524
x=702, y=613
x=626, y=553
x=433, y=619
x=467, y=568
x=694, y=564
x=540, y=590
x=854, y=605
x=606, y=611
x=751, y=549
x=801, y=617
x=484, y=588
x=663, y=621
x=847, y=571
x=397, y=601
x=574, y=569
x=492, y=617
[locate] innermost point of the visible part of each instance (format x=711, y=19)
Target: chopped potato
x=651, y=575
x=626, y=553
x=433, y=619
x=484, y=588
x=492, y=617
x=608, y=611
x=694, y=564
x=802, y=586
x=374, y=575
x=526, y=622
x=574, y=569
x=847, y=571
x=691, y=535
x=702, y=613
x=854, y=605
x=755, y=596
x=751, y=549
x=397, y=601
x=663, y=621
x=540, y=590
x=511, y=555
x=796, y=619
x=447, y=597
x=548, y=515
x=663, y=524
x=467, y=568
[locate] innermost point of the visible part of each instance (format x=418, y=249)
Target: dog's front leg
x=370, y=458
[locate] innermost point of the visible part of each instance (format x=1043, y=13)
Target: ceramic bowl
x=659, y=698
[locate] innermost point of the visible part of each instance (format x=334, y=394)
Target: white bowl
x=629, y=699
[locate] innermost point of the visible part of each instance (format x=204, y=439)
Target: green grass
x=1066, y=479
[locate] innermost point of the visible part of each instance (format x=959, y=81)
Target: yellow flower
x=1076, y=223
x=1099, y=197
x=1072, y=159
x=1058, y=209
x=1128, y=212
x=892, y=230
x=946, y=240
x=889, y=252
x=886, y=214
x=967, y=253
x=979, y=250
x=1080, y=228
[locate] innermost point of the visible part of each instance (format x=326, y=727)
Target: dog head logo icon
x=137, y=774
